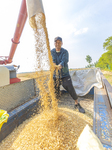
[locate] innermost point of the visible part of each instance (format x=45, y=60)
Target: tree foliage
x=105, y=61
x=89, y=66
x=108, y=44
x=88, y=59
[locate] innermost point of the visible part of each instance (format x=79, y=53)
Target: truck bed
x=97, y=104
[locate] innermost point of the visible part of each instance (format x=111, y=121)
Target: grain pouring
x=54, y=128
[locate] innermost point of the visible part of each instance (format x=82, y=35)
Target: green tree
x=105, y=61
x=89, y=66
x=108, y=44
x=95, y=63
x=88, y=59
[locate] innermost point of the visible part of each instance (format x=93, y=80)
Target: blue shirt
x=61, y=58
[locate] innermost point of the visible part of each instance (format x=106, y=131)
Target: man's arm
x=65, y=59
x=54, y=59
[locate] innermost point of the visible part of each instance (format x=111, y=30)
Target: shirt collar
x=56, y=51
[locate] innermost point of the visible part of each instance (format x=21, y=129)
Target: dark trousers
x=66, y=82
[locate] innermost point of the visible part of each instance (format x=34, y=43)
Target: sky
x=83, y=25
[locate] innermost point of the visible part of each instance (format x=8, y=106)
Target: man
x=60, y=59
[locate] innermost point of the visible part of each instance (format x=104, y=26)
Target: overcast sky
x=83, y=25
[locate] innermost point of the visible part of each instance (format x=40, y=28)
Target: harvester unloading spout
x=18, y=31
x=19, y=28
x=34, y=7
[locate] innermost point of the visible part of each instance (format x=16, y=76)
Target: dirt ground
x=106, y=72
x=24, y=76
x=87, y=102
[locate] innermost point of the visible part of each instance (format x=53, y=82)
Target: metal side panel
x=16, y=94
x=102, y=123
x=18, y=115
x=108, y=88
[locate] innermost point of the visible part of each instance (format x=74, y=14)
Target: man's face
x=58, y=45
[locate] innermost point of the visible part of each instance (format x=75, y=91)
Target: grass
x=108, y=77
x=30, y=75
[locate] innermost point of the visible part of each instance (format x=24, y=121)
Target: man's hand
x=59, y=67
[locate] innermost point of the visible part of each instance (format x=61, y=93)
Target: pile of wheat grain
x=45, y=132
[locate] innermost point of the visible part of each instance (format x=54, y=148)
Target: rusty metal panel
x=102, y=123
x=16, y=94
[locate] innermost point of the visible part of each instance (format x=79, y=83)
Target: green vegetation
x=105, y=61
x=107, y=75
x=108, y=44
x=109, y=78
x=89, y=60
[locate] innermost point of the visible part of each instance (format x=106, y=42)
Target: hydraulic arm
x=34, y=7
x=19, y=28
